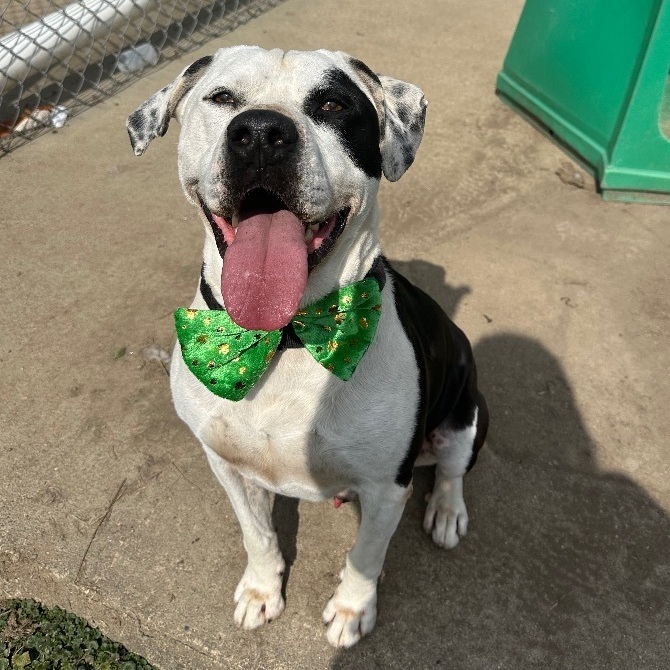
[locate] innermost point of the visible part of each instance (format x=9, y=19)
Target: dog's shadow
x=564, y=565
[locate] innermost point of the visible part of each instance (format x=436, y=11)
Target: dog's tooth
x=314, y=226
x=235, y=220
x=309, y=234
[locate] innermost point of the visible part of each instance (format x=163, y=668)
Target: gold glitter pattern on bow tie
x=229, y=350
x=337, y=331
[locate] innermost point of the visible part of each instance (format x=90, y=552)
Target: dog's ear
x=402, y=129
x=152, y=118
x=401, y=108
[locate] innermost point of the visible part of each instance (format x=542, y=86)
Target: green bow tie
x=229, y=360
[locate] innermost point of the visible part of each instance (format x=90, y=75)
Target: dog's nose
x=261, y=137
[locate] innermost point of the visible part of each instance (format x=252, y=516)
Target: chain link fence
x=58, y=58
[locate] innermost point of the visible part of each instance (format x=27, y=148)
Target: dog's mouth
x=267, y=252
x=319, y=235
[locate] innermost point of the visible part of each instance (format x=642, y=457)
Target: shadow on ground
x=565, y=566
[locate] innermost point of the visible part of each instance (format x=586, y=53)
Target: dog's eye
x=222, y=98
x=332, y=106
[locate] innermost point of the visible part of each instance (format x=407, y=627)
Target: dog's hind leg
x=455, y=446
x=258, y=596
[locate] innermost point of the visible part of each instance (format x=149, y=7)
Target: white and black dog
x=282, y=153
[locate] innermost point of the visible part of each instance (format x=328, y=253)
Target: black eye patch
x=356, y=123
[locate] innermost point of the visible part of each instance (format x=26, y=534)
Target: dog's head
x=283, y=153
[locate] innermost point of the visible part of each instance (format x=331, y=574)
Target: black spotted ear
x=401, y=108
x=152, y=118
x=404, y=119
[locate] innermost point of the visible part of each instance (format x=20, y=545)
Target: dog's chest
x=302, y=431
x=279, y=434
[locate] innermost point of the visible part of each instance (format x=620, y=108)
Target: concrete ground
x=107, y=506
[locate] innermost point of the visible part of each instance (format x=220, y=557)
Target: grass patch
x=36, y=637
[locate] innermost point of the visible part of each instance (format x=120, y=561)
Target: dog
x=282, y=154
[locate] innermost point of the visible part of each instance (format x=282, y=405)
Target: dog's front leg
x=352, y=611
x=258, y=595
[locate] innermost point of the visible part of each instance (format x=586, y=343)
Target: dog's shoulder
x=443, y=355
x=427, y=326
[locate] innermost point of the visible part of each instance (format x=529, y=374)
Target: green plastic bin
x=593, y=76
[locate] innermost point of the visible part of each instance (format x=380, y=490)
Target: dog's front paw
x=446, y=516
x=349, y=619
x=258, y=601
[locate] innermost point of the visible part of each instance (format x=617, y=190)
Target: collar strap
x=289, y=340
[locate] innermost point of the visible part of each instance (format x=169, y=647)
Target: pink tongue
x=265, y=271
